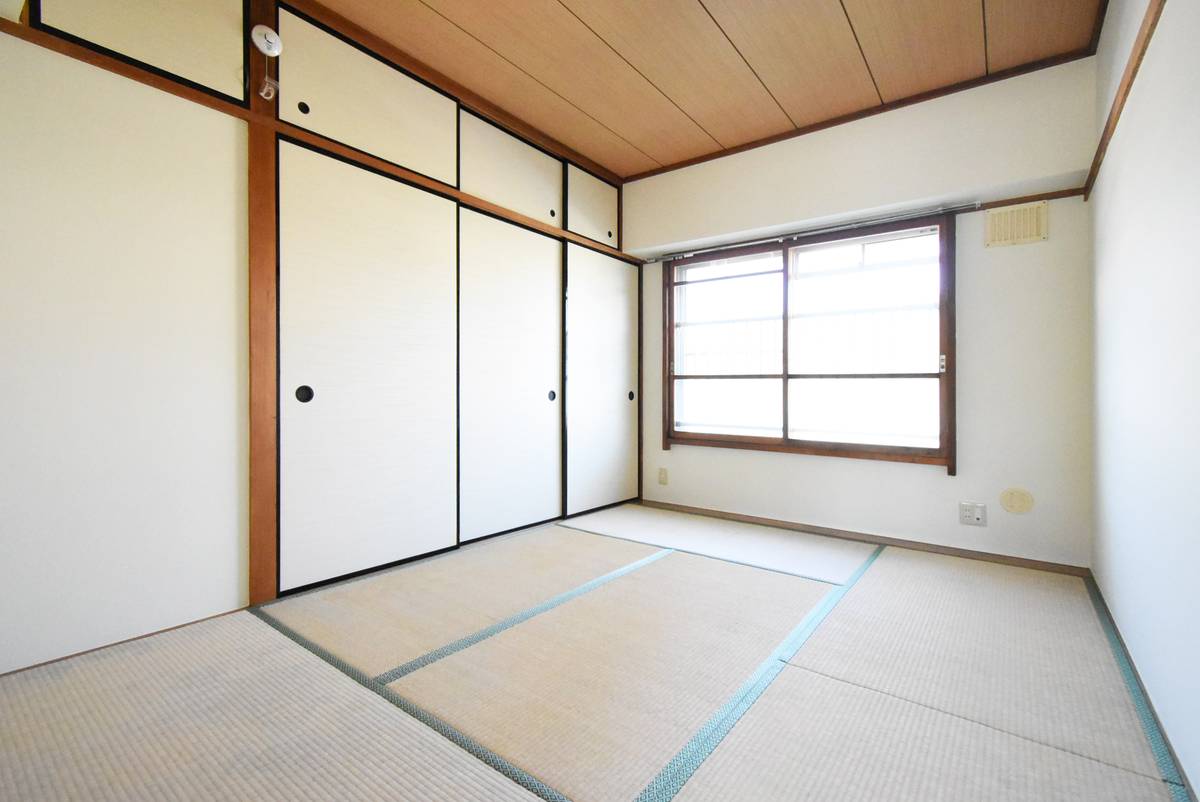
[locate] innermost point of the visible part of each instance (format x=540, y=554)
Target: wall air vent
x=1018, y=225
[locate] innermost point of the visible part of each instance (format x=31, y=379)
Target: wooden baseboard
x=879, y=540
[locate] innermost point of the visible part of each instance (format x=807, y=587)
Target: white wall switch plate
x=972, y=513
x=662, y=476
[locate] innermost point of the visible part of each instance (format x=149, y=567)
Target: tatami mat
x=381, y=621
x=226, y=709
x=1012, y=648
x=815, y=556
x=596, y=696
x=810, y=737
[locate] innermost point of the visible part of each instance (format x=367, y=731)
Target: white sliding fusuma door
x=510, y=324
x=602, y=380
x=366, y=369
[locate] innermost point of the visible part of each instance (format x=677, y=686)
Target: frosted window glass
x=748, y=407
x=735, y=266
x=894, y=412
x=732, y=326
x=865, y=307
x=903, y=341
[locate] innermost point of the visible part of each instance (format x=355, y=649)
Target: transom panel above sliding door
x=366, y=369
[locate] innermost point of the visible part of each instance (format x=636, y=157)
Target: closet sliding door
x=602, y=380
x=510, y=328
x=366, y=369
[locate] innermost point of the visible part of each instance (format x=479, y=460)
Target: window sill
x=921, y=456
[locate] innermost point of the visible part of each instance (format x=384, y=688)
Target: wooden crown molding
x=1140, y=45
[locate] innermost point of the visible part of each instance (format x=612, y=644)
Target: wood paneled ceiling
x=642, y=85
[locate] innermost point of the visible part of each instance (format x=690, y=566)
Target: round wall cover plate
x=266, y=40
x=1016, y=500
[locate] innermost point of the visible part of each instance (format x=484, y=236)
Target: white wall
x=1145, y=210
x=1024, y=396
x=123, y=358
x=11, y=9
x=1028, y=134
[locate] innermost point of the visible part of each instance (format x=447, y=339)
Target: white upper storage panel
x=336, y=90
x=499, y=167
x=197, y=40
x=591, y=206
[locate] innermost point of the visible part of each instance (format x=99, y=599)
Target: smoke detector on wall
x=270, y=45
x=266, y=40
x=1018, y=225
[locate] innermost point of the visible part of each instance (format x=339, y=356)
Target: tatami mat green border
x=1154, y=734
x=512, y=772
x=470, y=640
x=671, y=779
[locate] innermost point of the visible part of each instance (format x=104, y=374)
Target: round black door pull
x=551, y=395
x=610, y=235
x=303, y=107
x=631, y=395
x=551, y=212
x=304, y=394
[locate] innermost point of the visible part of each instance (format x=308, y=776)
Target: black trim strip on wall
x=36, y=22
x=563, y=341
x=364, y=571
x=640, y=387
x=246, y=28
x=503, y=532
x=608, y=506
x=458, y=146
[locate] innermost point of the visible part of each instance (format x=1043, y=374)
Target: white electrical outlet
x=662, y=476
x=972, y=513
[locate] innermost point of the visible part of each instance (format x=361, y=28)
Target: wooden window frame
x=946, y=452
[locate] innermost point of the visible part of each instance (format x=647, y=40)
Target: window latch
x=942, y=363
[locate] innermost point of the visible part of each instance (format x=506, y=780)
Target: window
x=840, y=345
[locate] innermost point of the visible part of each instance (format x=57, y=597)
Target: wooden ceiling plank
x=496, y=85
x=676, y=45
x=919, y=45
x=805, y=53
x=548, y=42
x=1021, y=31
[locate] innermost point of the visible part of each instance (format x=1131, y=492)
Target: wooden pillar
x=264, y=390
